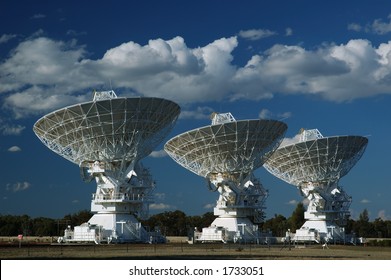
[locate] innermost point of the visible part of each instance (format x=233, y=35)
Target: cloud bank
x=42, y=74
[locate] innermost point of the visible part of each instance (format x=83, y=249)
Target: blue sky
x=312, y=64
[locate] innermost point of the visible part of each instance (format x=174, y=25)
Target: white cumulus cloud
x=209, y=206
x=382, y=215
x=292, y=202
x=38, y=16
x=160, y=206
x=14, y=149
x=199, y=113
x=267, y=114
x=19, y=186
x=256, y=34
x=7, y=37
x=7, y=129
x=42, y=74
x=158, y=154
x=381, y=27
x=355, y=27
x=378, y=26
x=288, y=31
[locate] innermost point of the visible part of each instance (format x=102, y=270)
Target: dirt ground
x=183, y=250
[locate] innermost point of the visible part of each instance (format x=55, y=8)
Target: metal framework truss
x=226, y=153
x=229, y=147
x=244, y=198
x=107, y=138
x=323, y=160
x=222, y=118
x=108, y=130
x=315, y=164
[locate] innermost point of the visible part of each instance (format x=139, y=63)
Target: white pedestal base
x=230, y=229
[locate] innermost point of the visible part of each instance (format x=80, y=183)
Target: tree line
x=177, y=223
x=361, y=227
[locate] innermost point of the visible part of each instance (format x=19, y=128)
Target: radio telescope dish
x=107, y=138
x=226, y=153
x=110, y=130
x=315, y=164
x=232, y=147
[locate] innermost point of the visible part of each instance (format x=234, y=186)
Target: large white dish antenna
x=231, y=147
x=321, y=160
x=226, y=153
x=315, y=164
x=108, y=130
x=107, y=138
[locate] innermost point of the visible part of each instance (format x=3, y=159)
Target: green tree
x=44, y=227
x=297, y=218
x=278, y=225
x=25, y=225
x=176, y=223
x=14, y=225
x=364, y=228
x=79, y=218
x=381, y=228
x=171, y=223
x=364, y=216
x=9, y=225
x=207, y=219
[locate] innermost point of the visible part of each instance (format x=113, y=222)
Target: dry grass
x=186, y=251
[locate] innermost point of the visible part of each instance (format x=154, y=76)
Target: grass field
x=183, y=250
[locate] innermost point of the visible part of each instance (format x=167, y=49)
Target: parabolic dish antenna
x=107, y=138
x=109, y=130
x=226, y=153
x=315, y=164
x=231, y=147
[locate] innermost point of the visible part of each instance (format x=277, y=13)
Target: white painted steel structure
x=226, y=153
x=107, y=138
x=315, y=164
